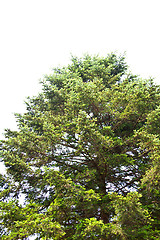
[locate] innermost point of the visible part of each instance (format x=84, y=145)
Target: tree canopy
x=85, y=157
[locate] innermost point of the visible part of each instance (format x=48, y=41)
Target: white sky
x=36, y=35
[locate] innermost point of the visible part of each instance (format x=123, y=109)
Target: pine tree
x=85, y=157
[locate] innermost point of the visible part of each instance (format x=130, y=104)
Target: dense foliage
x=85, y=157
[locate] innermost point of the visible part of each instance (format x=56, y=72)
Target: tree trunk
x=104, y=215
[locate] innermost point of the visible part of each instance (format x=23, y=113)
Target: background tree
x=86, y=156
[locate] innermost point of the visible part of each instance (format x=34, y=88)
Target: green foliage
x=131, y=216
x=85, y=157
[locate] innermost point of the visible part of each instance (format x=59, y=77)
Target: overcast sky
x=37, y=35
